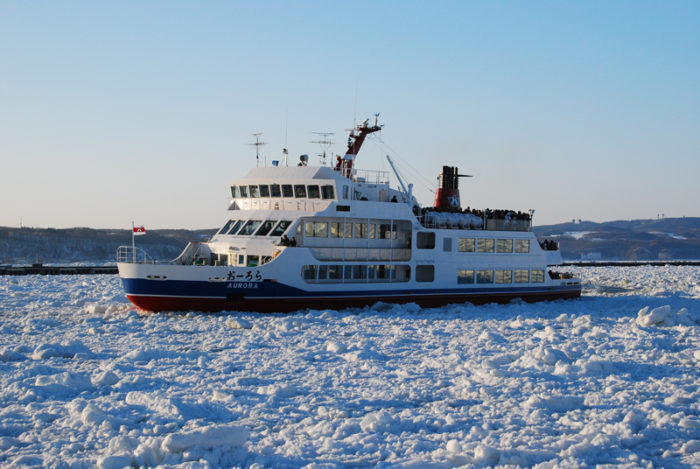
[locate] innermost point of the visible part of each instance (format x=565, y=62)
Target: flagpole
x=133, y=244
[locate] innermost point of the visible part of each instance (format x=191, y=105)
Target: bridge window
x=264, y=190
x=287, y=190
x=253, y=191
x=504, y=276
x=234, y=192
x=234, y=229
x=249, y=228
x=243, y=190
x=504, y=245
x=484, y=245
x=522, y=245
x=521, y=276
x=314, y=193
x=466, y=245
x=265, y=228
x=465, y=276
x=275, y=190
x=300, y=191
x=537, y=276
x=227, y=226
x=327, y=192
x=484, y=276
x=280, y=228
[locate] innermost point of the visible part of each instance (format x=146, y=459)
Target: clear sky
x=119, y=111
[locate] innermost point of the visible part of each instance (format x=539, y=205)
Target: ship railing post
x=133, y=244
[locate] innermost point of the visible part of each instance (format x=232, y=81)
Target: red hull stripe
x=288, y=304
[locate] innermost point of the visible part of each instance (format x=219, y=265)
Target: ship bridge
x=308, y=188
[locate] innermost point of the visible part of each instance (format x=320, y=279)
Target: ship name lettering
x=242, y=285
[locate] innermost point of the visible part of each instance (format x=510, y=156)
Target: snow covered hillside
x=610, y=379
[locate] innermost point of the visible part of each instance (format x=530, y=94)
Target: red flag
x=139, y=230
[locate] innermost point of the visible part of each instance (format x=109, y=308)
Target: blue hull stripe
x=276, y=290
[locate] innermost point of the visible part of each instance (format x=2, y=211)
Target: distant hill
x=61, y=246
x=669, y=238
x=664, y=239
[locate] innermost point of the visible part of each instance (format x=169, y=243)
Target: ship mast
x=355, y=140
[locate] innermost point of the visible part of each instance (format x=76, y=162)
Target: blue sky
x=120, y=111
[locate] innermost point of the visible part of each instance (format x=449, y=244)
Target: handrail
x=133, y=255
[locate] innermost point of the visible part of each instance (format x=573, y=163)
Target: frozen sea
x=609, y=380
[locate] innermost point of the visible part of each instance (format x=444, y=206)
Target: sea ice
x=610, y=379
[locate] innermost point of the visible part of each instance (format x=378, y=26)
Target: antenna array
x=325, y=143
x=257, y=145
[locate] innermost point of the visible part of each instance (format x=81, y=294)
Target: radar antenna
x=257, y=145
x=325, y=143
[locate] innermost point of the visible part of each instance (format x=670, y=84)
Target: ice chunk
x=486, y=455
x=335, y=347
x=556, y=403
x=227, y=436
x=239, y=323
x=69, y=350
x=95, y=309
x=377, y=422
x=114, y=462
x=690, y=447
x=106, y=378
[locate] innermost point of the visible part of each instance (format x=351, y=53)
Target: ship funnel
x=447, y=195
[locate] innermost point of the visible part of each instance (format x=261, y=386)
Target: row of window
x=470, y=276
x=255, y=227
x=298, y=191
x=240, y=260
x=424, y=273
x=493, y=245
x=323, y=229
x=355, y=273
x=426, y=240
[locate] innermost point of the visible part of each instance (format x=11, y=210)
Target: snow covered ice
x=610, y=379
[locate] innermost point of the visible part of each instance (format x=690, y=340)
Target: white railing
x=371, y=176
x=133, y=255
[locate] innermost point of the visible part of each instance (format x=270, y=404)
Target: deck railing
x=133, y=255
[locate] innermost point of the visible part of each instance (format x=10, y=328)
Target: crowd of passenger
x=487, y=214
x=549, y=245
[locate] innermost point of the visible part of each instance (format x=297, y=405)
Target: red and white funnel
x=447, y=195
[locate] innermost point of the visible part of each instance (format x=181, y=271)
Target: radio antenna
x=325, y=143
x=257, y=145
